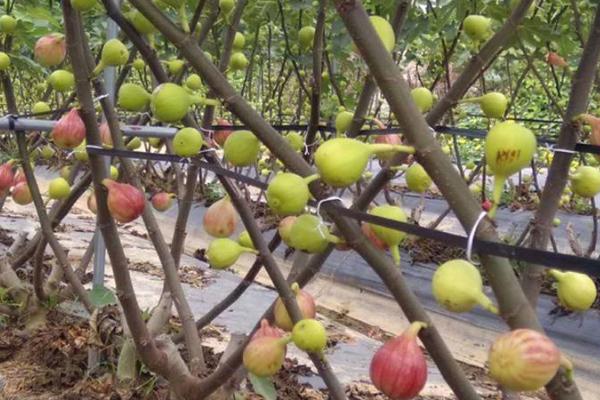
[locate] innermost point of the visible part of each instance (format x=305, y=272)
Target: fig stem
x=470, y=100
x=377, y=148
x=496, y=194
x=250, y=250
x=556, y=274
x=311, y=178
x=395, y=251
x=295, y=287
x=99, y=68
x=568, y=366
x=486, y=303
x=414, y=328
x=333, y=239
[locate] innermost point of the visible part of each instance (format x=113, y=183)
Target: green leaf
x=101, y=296
x=263, y=386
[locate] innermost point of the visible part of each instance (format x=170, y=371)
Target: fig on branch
x=458, y=287
x=575, y=291
x=187, y=142
x=295, y=140
x=238, y=61
x=223, y=252
x=6, y=176
x=241, y=148
x=306, y=37
x=585, y=182
x=384, y=31
x=288, y=193
x=21, y=194
x=309, y=234
x=391, y=237
x=220, y=218
x=554, y=59
x=509, y=147
x=141, y=23
x=492, y=104
x=69, y=131
x=423, y=98
x=133, y=97
x=226, y=6
x=264, y=355
x=162, y=201
x=175, y=66
x=239, y=41
x=477, y=27
x=40, y=107
x=523, y=360
x=170, y=102
x=306, y=303
x=309, y=335
x=342, y=161
x=125, y=202
x=83, y=5
x=399, y=367
x=220, y=136
x=8, y=24
x=59, y=189
x=4, y=61
x=245, y=240
x=343, y=120
x=193, y=82
x=285, y=229
x=61, y=80
x=114, y=53
x=417, y=179
x=50, y=50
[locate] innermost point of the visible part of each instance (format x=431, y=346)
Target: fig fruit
x=162, y=201
x=391, y=237
x=417, y=179
x=423, y=98
x=187, y=142
x=65, y=172
x=8, y=24
x=306, y=37
x=220, y=218
x=309, y=335
x=341, y=161
x=288, y=193
x=21, y=194
x=267, y=329
x=105, y=136
x=47, y=152
x=220, y=136
x=175, y=66
x=239, y=41
x=61, y=80
x=343, y=120
x=309, y=233
x=50, y=50
x=554, y=59
x=69, y=130
x=133, y=97
x=385, y=32
x=295, y=140
x=306, y=303
x=492, y=104
x=477, y=27
x=226, y=6
x=509, y=147
x=399, y=367
x=134, y=143
x=245, y=240
x=169, y=102
x=83, y=5
x=241, y=148
x=141, y=23
x=59, y=189
x=125, y=202
x=223, y=253
x=575, y=291
x=6, y=176
x=41, y=107
x=114, y=53
x=264, y=356
x=523, y=360
x=238, y=61
x=285, y=229
x=585, y=182
x=458, y=287
x=4, y=61
x=193, y=82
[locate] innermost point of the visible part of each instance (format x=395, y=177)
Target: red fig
x=387, y=139
x=554, y=59
x=6, y=176
x=19, y=177
x=220, y=218
x=105, y=135
x=162, y=201
x=486, y=205
x=399, y=368
x=125, y=202
x=221, y=136
x=21, y=194
x=69, y=131
x=50, y=50
x=306, y=303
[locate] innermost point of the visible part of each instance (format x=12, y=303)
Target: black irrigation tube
x=564, y=261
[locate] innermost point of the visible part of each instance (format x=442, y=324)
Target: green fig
x=241, y=148
x=141, y=23
x=61, y=80
x=306, y=37
x=138, y=64
x=585, y=182
x=155, y=143
x=238, y=61
x=288, y=194
x=4, y=61
x=245, y=240
x=59, y=189
x=80, y=152
x=223, y=253
x=132, y=97
x=65, y=172
x=134, y=143
x=575, y=291
x=295, y=140
x=477, y=27
x=309, y=335
x=83, y=5
x=41, y=107
x=226, y=6
x=170, y=102
x=187, y=142
x=47, y=152
x=417, y=179
x=8, y=24
x=309, y=234
x=492, y=104
x=458, y=287
x=385, y=32
x=114, y=53
x=239, y=41
x=343, y=120
x=341, y=161
x=423, y=98
x=509, y=147
x=175, y=66
x=193, y=82
x=391, y=237
x=114, y=173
